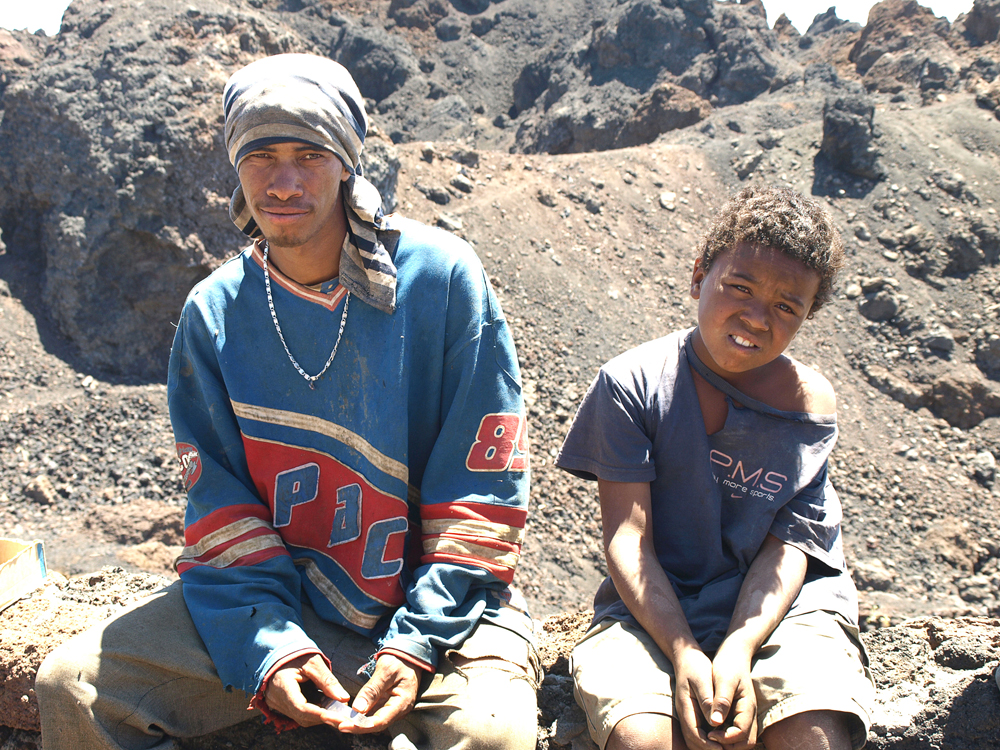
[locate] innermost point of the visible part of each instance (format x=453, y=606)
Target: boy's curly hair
x=781, y=219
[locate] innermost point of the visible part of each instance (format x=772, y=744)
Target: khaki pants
x=811, y=662
x=144, y=678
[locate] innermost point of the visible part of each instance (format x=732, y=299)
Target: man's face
x=751, y=303
x=293, y=191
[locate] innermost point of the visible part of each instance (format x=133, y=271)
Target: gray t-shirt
x=714, y=497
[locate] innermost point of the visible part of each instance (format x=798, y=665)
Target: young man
x=728, y=616
x=347, y=407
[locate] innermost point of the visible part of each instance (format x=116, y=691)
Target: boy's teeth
x=742, y=341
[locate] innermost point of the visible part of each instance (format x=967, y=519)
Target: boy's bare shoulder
x=803, y=389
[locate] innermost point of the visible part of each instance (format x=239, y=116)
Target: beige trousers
x=144, y=679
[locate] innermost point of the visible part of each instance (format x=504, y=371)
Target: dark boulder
x=848, y=136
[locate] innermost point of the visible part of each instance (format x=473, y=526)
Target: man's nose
x=285, y=183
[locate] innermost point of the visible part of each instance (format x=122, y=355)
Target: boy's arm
x=771, y=585
x=649, y=596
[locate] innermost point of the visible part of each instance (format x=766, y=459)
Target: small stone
x=546, y=198
x=862, y=233
x=878, y=282
x=463, y=183
x=449, y=222
x=770, y=139
x=872, y=575
x=984, y=466
x=466, y=156
x=40, y=490
x=747, y=163
x=853, y=290
x=939, y=339
x=880, y=306
x=668, y=200
x=890, y=255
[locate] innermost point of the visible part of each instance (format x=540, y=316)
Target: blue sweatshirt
x=392, y=498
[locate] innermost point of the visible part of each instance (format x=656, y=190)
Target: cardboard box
x=22, y=569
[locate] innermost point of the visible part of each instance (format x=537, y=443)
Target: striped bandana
x=313, y=100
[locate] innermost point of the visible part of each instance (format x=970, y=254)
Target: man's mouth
x=283, y=211
x=740, y=341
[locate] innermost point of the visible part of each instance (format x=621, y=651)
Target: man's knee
x=59, y=674
x=493, y=709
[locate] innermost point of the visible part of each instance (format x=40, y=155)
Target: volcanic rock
x=848, y=135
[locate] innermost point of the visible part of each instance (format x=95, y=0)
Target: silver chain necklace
x=311, y=379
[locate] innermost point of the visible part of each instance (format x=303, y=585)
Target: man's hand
x=391, y=692
x=734, y=705
x=284, y=691
x=694, y=697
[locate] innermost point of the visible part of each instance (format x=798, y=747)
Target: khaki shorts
x=811, y=662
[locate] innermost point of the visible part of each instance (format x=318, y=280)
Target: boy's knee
x=645, y=732
x=820, y=729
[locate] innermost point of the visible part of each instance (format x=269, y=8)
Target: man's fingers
x=320, y=675
x=391, y=691
x=285, y=696
x=372, y=693
x=380, y=720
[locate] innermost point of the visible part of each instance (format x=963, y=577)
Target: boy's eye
x=786, y=308
x=741, y=288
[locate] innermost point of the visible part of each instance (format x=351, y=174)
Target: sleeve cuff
x=408, y=658
x=415, y=650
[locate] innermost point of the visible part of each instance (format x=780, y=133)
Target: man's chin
x=281, y=239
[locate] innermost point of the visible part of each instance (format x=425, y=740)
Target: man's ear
x=697, y=279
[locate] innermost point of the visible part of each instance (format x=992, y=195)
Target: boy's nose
x=755, y=317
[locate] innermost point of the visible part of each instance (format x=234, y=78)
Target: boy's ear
x=697, y=278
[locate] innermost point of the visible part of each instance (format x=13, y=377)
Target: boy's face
x=751, y=303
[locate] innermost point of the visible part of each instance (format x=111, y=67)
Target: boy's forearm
x=646, y=591
x=773, y=581
x=635, y=569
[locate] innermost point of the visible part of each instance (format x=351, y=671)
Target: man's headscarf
x=311, y=99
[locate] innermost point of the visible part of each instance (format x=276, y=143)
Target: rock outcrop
x=135, y=213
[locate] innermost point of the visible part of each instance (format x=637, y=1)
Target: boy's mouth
x=740, y=341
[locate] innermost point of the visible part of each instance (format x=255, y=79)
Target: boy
x=728, y=616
